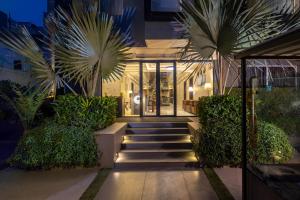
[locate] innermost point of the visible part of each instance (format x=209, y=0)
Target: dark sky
x=25, y=10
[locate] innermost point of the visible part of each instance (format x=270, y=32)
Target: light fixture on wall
x=191, y=89
x=208, y=87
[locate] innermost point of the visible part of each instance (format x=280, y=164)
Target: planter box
x=109, y=143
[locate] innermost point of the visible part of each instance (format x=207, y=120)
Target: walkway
x=66, y=184
x=156, y=185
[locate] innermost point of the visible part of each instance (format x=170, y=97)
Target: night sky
x=25, y=10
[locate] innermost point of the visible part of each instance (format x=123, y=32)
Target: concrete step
x=157, y=131
x=156, y=137
x=155, y=153
x=170, y=144
x=164, y=163
x=157, y=125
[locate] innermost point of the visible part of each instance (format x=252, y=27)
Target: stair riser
x=157, y=125
x=155, y=155
x=158, y=131
x=161, y=165
x=156, y=138
x=157, y=146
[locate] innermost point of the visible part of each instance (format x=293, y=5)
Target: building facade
x=156, y=81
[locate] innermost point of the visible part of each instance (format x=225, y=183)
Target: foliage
x=26, y=104
x=7, y=88
x=43, y=70
x=92, y=46
x=93, y=112
x=218, y=29
x=219, y=140
x=272, y=145
x=280, y=107
x=220, y=137
x=55, y=145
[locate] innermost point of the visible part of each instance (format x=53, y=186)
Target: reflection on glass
x=274, y=127
x=165, y=6
x=166, y=89
x=128, y=88
x=149, y=89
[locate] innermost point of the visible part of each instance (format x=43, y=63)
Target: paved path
x=156, y=185
x=45, y=185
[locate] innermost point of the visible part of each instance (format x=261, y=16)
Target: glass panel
x=194, y=80
x=149, y=89
x=127, y=89
x=165, y=6
x=273, y=102
x=166, y=89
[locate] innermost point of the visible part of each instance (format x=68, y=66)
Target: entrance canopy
x=286, y=45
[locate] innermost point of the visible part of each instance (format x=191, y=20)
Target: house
x=157, y=81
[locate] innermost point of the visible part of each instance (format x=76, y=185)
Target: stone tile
x=36, y=185
x=232, y=178
x=198, y=186
x=122, y=186
x=164, y=185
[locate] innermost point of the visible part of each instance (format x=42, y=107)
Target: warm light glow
x=191, y=89
x=130, y=92
x=208, y=86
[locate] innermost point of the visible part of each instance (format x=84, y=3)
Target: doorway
x=158, y=88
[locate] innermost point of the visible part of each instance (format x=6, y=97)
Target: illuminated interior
x=168, y=88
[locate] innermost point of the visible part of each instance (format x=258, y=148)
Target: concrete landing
x=156, y=185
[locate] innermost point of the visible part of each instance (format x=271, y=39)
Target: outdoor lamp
x=191, y=89
x=208, y=86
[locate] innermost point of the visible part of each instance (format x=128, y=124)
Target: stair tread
x=171, y=160
x=151, y=128
x=154, y=150
x=157, y=134
x=155, y=142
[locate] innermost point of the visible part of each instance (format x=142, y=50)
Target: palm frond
x=25, y=104
x=23, y=44
x=91, y=47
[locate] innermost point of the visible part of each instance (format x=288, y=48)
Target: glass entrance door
x=158, y=89
x=149, y=89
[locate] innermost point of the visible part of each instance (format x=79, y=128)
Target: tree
x=44, y=70
x=218, y=29
x=93, y=45
x=26, y=104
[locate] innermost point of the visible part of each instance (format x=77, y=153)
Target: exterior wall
x=21, y=77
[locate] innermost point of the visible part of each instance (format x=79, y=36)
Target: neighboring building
x=12, y=65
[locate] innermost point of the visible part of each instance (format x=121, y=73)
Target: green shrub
x=93, y=112
x=280, y=107
x=220, y=138
x=272, y=145
x=55, y=145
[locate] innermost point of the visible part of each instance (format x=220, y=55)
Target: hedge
x=54, y=145
x=219, y=140
x=92, y=112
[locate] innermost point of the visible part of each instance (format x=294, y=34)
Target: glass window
x=273, y=102
x=165, y=6
x=194, y=80
x=127, y=88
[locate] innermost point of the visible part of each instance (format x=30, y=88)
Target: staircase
x=156, y=145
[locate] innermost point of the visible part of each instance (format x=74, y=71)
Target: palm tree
x=26, y=104
x=93, y=45
x=44, y=71
x=218, y=29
